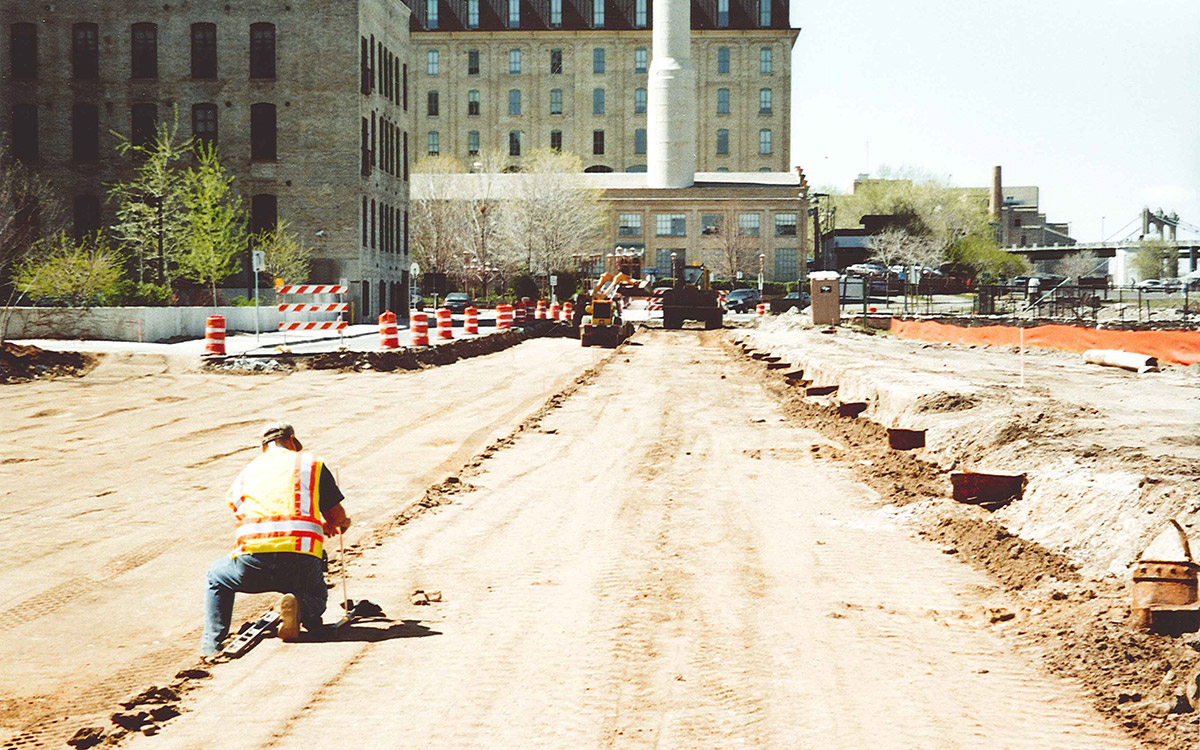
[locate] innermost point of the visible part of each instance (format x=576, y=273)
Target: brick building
x=572, y=74
x=307, y=103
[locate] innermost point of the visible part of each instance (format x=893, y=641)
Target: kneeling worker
x=286, y=502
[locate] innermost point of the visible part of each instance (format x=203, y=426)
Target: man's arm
x=336, y=520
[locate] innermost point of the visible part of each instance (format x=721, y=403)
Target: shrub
x=128, y=293
x=63, y=271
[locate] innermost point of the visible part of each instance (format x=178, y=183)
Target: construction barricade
x=555, y=311
x=655, y=306
x=568, y=312
x=519, y=312
x=471, y=322
x=339, y=307
x=762, y=308
x=214, y=336
x=445, y=325
x=418, y=323
x=504, y=317
x=540, y=313
x=389, y=337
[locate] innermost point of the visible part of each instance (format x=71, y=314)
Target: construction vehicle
x=692, y=298
x=599, y=312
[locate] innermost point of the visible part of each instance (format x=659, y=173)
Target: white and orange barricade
x=504, y=317
x=418, y=323
x=540, y=314
x=519, y=313
x=762, y=308
x=389, y=337
x=340, y=308
x=214, y=336
x=555, y=311
x=655, y=304
x=721, y=295
x=445, y=324
x=568, y=312
x=471, y=321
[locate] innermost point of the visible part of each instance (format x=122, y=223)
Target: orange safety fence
x=1172, y=347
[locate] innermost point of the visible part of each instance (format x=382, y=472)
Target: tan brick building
x=513, y=76
x=305, y=100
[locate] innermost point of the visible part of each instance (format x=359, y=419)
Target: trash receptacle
x=826, y=307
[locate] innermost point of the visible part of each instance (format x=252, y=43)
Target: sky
x=1096, y=102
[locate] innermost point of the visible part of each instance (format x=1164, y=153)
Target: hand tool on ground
x=250, y=637
x=342, y=564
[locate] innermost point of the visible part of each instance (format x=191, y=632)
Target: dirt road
x=112, y=500
x=659, y=562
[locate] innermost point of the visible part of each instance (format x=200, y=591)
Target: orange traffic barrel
x=445, y=323
x=419, y=325
x=504, y=317
x=389, y=338
x=471, y=325
x=214, y=336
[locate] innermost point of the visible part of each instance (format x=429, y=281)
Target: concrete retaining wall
x=138, y=323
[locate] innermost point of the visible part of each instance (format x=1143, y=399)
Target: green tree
x=286, y=257
x=151, y=218
x=63, y=270
x=214, y=234
x=1156, y=258
x=979, y=254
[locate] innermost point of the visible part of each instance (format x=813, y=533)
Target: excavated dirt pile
x=1061, y=552
x=21, y=363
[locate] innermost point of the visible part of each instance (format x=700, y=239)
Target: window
x=722, y=142
x=514, y=101
x=262, y=133
x=629, y=225
x=433, y=62
x=556, y=101
x=597, y=101
x=723, y=60
x=598, y=142
x=514, y=143
x=143, y=62
x=264, y=213
x=406, y=156
x=556, y=140
x=204, y=50
x=143, y=119
x=262, y=50
x=473, y=102
x=764, y=12
x=404, y=85
x=514, y=14
x=710, y=224
x=364, y=66
x=23, y=48
x=431, y=14
x=598, y=60
x=85, y=132
x=204, y=123
x=85, y=50
x=723, y=14
x=764, y=142
x=639, y=14
x=785, y=225
x=764, y=101
x=555, y=13
x=748, y=225
x=639, y=101
x=472, y=62
x=639, y=141
x=598, y=14
x=722, y=101
x=434, y=143
x=786, y=265
x=373, y=215
x=472, y=143
x=87, y=216
x=670, y=225
x=765, y=63
x=514, y=62
x=472, y=14
x=639, y=60
x=25, y=132
x=431, y=104
x=662, y=260
x=555, y=62
x=366, y=147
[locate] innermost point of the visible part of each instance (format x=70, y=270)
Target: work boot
x=289, y=612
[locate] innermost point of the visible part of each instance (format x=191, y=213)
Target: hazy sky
x=1097, y=102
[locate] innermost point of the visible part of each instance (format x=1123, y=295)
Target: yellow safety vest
x=276, y=500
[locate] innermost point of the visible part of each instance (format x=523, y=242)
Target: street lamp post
x=762, y=260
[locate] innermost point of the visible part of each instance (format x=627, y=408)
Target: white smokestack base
x=671, y=99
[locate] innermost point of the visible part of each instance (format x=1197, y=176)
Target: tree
x=63, y=270
x=151, y=218
x=1156, y=258
x=1079, y=265
x=439, y=223
x=982, y=257
x=215, y=234
x=736, y=251
x=30, y=213
x=286, y=257
x=898, y=247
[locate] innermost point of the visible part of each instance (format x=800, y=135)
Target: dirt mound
x=937, y=403
x=21, y=363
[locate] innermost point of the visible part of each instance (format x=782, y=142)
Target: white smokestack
x=671, y=99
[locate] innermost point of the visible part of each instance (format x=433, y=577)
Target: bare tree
x=438, y=221
x=736, y=251
x=30, y=212
x=1080, y=265
x=897, y=247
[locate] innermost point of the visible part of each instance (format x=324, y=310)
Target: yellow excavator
x=599, y=312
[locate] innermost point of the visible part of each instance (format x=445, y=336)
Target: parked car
x=796, y=299
x=457, y=302
x=1158, y=285
x=742, y=300
x=867, y=269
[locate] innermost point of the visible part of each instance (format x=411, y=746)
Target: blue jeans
x=285, y=572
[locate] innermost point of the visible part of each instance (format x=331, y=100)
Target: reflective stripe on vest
x=276, y=500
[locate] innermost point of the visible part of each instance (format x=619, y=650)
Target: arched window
x=262, y=50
